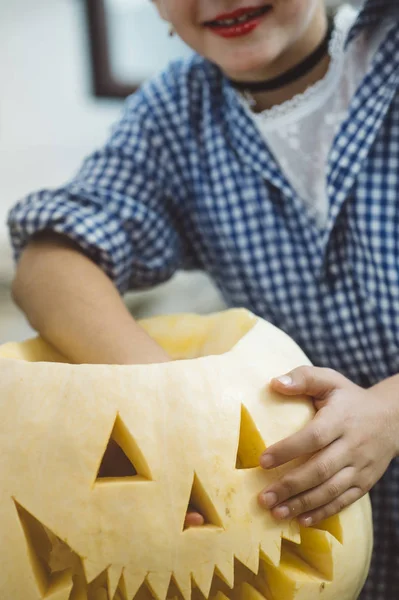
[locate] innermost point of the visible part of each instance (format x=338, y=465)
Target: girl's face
x=262, y=47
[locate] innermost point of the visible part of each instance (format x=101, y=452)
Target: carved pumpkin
x=77, y=525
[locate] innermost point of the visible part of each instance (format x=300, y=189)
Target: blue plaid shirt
x=187, y=182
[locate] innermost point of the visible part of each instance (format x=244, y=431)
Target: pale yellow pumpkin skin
x=68, y=535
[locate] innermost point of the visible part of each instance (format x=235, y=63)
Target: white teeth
x=242, y=19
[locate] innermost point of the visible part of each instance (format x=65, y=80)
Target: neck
x=265, y=100
x=316, y=32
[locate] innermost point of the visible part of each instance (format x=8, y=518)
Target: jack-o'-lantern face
x=98, y=465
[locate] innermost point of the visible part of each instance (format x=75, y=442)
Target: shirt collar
x=371, y=13
x=241, y=128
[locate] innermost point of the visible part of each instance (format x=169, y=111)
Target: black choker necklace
x=297, y=72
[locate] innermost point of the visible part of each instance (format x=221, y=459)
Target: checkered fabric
x=187, y=182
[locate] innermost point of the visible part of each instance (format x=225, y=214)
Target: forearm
x=76, y=308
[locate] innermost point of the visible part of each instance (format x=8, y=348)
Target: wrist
x=388, y=391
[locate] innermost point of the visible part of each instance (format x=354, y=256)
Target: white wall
x=48, y=119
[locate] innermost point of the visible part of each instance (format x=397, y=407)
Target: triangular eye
x=200, y=502
x=250, y=443
x=122, y=456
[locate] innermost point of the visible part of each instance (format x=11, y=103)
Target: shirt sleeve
x=118, y=208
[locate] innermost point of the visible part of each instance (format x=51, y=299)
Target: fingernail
x=282, y=512
x=307, y=521
x=270, y=499
x=285, y=379
x=266, y=461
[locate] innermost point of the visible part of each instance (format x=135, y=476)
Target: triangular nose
x=201, y=503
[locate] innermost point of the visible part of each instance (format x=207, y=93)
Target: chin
x=246, y=69
x=251, y=63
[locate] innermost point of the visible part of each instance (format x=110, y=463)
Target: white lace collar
x=300, y=105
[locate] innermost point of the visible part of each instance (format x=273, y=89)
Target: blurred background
x=65, y=66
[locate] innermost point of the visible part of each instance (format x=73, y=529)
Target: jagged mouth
x=245, y=18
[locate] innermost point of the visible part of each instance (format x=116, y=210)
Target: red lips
x=227, y=26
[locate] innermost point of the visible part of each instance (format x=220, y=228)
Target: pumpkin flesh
x=190, y=431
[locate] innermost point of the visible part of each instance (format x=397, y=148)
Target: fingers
x=315, y=472
x=325, y=427
x=193, y=519
x=312, y=381
x=345, y=460
x=332, y=508
x=318, y=497
x=319, y=433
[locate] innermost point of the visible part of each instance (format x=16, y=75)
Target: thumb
x=310, y=381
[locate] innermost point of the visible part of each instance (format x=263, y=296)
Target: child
x=270, y=159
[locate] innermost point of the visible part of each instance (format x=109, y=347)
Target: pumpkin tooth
x=225, y=571
x=114, y=575
x=159, y=584
x=133, y=581
x=60, y=587
x=272, y=553
x=294, y=577
x=334, y=526
x=183, y=581
x=293, y=533
x=203, y=577
x=91, y=570
x=250, y=560
x=315, y=550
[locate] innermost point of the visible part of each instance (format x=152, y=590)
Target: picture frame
x=104, y=83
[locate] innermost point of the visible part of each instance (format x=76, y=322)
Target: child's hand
x=352, y=439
